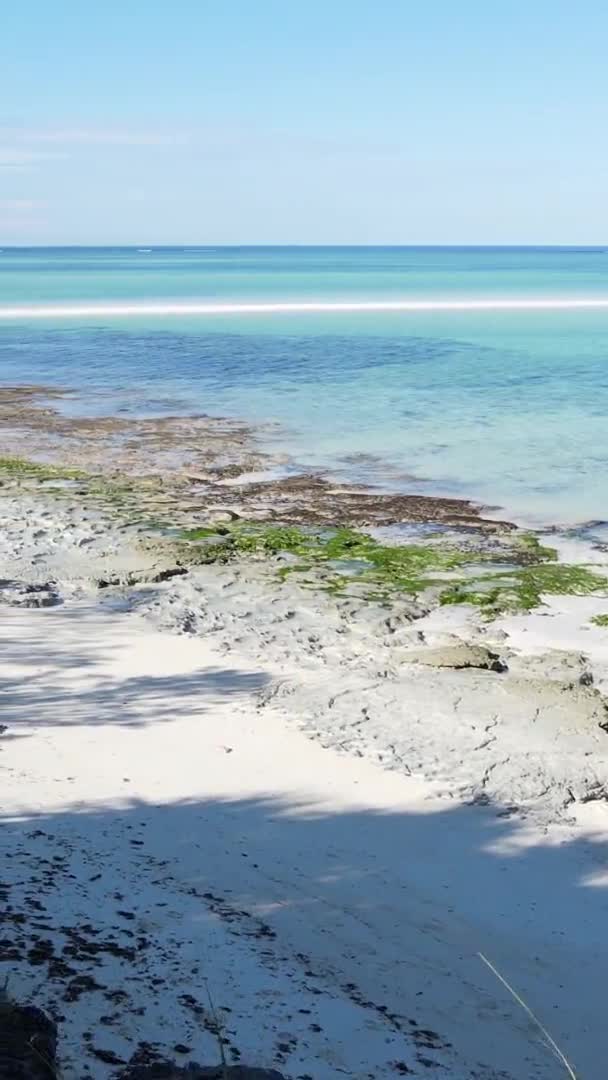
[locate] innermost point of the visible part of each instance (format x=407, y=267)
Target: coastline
x=194, y=462
x=260, y=714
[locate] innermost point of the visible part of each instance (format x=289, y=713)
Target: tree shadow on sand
x=322, y=936
x=37, y=696
x=133, y=702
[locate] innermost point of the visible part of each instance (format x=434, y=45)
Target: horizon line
x=209, y=245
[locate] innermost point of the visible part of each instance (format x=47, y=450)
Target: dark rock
x=170, y=572
x=19, y=594
x=109, y=1057
x=167, y=1070
x=28, y=1043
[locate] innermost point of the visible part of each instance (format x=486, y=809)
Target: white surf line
x=76, y=311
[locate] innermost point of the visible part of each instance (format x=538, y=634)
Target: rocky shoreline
x=184, y=465
x=409, y=638
x=412, y=606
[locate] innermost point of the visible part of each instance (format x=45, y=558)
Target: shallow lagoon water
x=507, y=407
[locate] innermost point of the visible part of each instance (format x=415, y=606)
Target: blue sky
x=303, y=121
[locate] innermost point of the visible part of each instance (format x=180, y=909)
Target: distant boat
x=145, y=251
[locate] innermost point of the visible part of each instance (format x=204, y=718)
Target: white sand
x=218, y=783
x=339, y=896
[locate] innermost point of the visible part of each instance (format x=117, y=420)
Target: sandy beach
x=165, y=834
x=237, y=803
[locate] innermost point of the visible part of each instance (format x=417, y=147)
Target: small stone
x=457, y=656
x=217, y=516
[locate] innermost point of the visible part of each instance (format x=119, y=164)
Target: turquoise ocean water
x=506, y=406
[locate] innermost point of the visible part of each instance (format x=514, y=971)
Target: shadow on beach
x=38, y=694
x=387, y=912
x=337, y=920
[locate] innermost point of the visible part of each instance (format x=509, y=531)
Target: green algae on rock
x=500, y=572
x=406, y=567
x=16, y=467
x=523, y=589
x=379, y=570
x=531, y=546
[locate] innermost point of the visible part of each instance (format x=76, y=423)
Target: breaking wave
x=202, y=307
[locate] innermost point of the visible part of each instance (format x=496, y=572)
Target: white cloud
x=20, y=206
x=103, y=137
x=15, y=158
